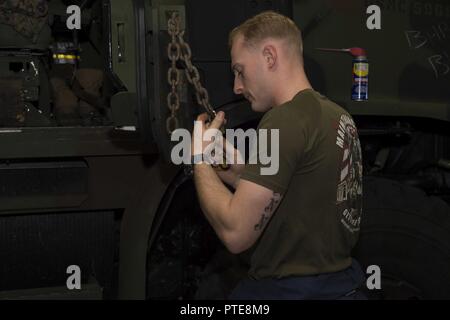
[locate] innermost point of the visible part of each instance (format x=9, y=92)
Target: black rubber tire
x=407, y=234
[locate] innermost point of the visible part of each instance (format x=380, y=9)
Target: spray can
x=360, y=85
x=360, y=72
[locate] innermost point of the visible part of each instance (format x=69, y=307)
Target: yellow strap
x=65, y=56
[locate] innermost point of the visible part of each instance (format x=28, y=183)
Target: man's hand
x=236, y=162
x=207, y=135
x=230, y=176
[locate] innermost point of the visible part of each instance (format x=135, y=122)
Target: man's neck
x=290, y=86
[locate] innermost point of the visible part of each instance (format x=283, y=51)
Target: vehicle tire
x=187, y=261
x=407, y=234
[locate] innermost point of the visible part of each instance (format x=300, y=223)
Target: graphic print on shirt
x=349, y=191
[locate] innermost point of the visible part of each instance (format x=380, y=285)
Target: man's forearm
x=214, y=198
x=231, y=176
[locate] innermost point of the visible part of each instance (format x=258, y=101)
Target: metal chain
x=177, y=49
x=193, y=77
x=173, y=74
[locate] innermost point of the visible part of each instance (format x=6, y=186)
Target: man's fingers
x=208, y=124
x=218, y=120
x=202, y=117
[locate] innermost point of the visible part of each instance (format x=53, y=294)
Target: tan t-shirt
x=320, y=178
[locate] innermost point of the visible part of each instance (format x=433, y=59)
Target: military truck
x=86, y=113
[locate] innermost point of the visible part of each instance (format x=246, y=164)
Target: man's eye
x=238, y=73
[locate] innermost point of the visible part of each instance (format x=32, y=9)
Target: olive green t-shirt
x=320, y=179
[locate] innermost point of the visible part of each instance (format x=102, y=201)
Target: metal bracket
x=165, y=12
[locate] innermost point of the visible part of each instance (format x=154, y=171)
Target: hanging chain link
x=193, y=77
x=177, y=49
x=173, y=75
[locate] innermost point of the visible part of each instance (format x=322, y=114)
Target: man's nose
x=238, y=88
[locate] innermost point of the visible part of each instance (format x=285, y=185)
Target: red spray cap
x=355, y=51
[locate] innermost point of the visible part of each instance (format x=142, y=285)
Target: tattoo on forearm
x=273, y=204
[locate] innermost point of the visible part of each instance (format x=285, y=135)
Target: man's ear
x=270, y=55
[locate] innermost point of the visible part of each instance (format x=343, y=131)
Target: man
x=302, y=222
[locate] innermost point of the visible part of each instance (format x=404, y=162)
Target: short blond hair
x=268, y=24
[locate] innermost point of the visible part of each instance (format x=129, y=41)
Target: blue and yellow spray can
x=360, y=85
x=360, y=72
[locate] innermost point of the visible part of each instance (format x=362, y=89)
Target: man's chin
x=258, y=108
x=253, y=105
x=255, y=108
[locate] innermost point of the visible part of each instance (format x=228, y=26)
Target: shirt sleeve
x=273, y=164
